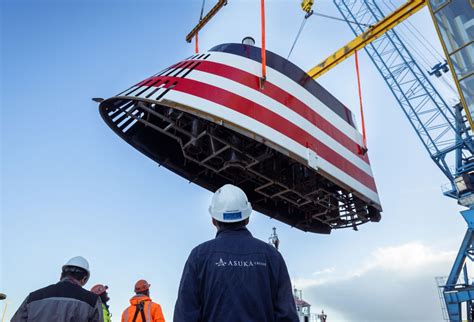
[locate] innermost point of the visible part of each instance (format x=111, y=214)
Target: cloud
x=404, y=259
x=324, y=271
x=393, y=284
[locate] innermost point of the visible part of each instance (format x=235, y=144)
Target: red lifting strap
x=264, y=57
x=360, y=102
x=196, y=48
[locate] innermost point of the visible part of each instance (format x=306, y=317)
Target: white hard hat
x=78, y=261
x=230, y=204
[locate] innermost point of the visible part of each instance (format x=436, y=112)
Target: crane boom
x=206, y=19
x=433, y=120
x=442, y=129
x=390, y=21
x=369, y=35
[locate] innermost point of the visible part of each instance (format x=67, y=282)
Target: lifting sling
x=140, y=308
x=364, y=137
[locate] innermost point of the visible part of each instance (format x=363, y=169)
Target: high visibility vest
x=106, y=313
x=151, y=312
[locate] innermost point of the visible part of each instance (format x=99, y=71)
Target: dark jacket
x=235, y=277
x=65, y=301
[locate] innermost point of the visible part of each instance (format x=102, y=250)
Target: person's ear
x=214, y=222
x=84, y=280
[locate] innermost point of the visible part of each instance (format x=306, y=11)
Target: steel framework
x=442, y=130
x=211, y=155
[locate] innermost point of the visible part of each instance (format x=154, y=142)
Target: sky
x=70, y=186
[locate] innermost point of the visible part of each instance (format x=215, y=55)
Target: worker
x=142, y=308
x=101, y=290
x=234, y=277
x=65, y=300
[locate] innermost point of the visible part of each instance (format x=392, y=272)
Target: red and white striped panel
x=226, y=86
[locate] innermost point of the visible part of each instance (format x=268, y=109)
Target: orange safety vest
x=141, y=305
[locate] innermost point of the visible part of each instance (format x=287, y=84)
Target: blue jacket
x=235, y=278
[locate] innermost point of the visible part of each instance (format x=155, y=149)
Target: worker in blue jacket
x=234, y=277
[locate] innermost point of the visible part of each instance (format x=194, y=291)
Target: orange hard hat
x=99, y=289
x=141, y=286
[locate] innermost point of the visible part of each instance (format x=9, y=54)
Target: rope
x=202, y=9
x=196, y=48
x=360, y=102
x=417, y=53
x=299, y=33
x=309, y=14
x=340, y=19
x=424, y=43
x=264, y=56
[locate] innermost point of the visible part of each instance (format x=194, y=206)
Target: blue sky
x=70, y=186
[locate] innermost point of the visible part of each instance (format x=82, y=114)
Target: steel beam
x=369, y=35
x=206, y=19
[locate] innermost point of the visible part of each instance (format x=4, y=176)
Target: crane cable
x=202, y=9
x=343, y=20
x=309, y=14
x=413, y=29
x=264, y=53
x=196, y=48
x=420, y=57
x=299, y=32
x=364, y=137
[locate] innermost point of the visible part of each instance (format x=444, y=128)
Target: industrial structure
x=290, y=145
x=444, y=130
x=303, y=308
x=244, y=115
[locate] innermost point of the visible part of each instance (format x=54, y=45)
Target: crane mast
x=444, y=131
x=435, y=122
x=453, y=21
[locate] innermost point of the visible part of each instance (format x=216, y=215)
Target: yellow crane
x=372, y=33
x=429, y=115
x=390, y=21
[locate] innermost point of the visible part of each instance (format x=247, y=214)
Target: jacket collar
x=242, y=231
x=139, y=298
x=70, y=280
